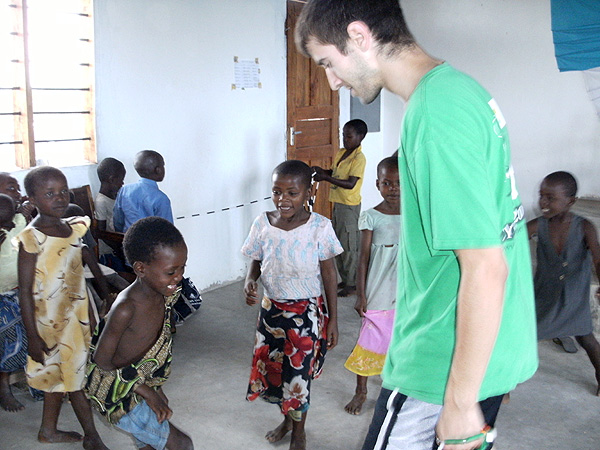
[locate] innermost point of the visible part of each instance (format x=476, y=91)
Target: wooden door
x=312, y=111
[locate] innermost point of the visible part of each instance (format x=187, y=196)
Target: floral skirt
x=13, y=340
x=289, y=351
x=368, y=356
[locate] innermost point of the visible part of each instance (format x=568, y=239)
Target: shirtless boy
x=133, y=354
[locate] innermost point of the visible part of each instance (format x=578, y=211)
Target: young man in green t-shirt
x=465, y=322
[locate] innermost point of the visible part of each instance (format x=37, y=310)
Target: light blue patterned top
x=290, y=259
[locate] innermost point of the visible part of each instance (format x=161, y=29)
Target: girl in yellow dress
x=55, y=306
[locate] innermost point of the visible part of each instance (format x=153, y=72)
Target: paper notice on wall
x=246, y=73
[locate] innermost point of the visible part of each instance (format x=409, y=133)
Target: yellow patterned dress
x=61, y=308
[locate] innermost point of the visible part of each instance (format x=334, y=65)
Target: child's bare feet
x=8, y=402
x=59, y=436
x=94, y=443
x=298, y=441
x=278, y=433
x=354, y=407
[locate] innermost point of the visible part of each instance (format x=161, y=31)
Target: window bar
x=22, y=100
x=63, y=140
x=58, y=112
x=90, y=153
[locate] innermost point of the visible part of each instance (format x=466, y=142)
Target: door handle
x=293, y=133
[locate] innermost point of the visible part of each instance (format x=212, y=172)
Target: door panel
x=312, y=112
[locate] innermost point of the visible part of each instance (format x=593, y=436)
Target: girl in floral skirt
x=292, y=251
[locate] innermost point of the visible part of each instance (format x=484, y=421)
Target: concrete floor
x=212, y=351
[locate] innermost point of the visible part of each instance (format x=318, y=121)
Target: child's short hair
x=145, y=235
x=295, y=168
x=146, y=161
x=358, y=125
x=566, y=180
x=390, y=162
x=39, y=174
x=109, y=167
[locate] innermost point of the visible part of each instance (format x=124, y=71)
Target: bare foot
x=355, y=405
x=278, y=433
x=94, y=443
x=9, y=403
x=298, y=441
x=59, y=436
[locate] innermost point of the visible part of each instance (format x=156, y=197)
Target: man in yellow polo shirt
x=346, y=178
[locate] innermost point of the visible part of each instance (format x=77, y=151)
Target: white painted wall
x=507, y=46
x=164, y=72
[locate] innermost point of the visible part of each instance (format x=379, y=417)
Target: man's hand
x=460, y=423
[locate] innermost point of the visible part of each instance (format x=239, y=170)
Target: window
x=46, y=83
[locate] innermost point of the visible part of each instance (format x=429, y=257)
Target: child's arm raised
x=591, y=240
x=329, y=277
x=364, y=256
x=251, y=286
x=37, y=347
x=325, y=175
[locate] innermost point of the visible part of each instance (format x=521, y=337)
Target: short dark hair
x=564, y=179
x=358, y=125
x=146, y=162
x=390, y=162
x=109, y=167
x=295, y=168
x=327, y=22
x=146, y=235
x=39, y=174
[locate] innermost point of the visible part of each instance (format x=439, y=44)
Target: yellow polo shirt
x=352, y=166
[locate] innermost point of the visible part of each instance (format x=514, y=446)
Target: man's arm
x=483, y=274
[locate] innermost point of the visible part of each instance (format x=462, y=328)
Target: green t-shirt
x=458, y=192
